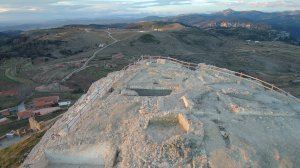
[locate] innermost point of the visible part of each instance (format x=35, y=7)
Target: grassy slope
x=13, y=126
x=267, y=60
x=8, y=101
x=275, y=62
x=11, y=80
x=14, y=155
x=12, y=75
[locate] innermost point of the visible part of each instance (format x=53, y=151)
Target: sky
x=26, y=11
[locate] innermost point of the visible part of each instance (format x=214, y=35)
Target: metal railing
x=240, y=75
x=243, y=76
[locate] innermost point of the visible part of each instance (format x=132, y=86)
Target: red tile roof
x=24, y=114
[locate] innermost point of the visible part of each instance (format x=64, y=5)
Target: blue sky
x=43, y=10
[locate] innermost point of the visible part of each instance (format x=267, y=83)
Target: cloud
x=153, y=3
x=68, y=9
x=2, y=10
x=34, y=9
x=19, y=10
x=63, y=3
x=274, y=4
x=260, y=5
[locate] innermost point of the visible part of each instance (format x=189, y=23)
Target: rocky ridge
x=158, y=113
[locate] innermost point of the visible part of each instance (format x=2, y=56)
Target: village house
x=44, y=102
x=24, y=114
x=4, y=121
x=10, y=134
x=64, y=103
x=157, y=29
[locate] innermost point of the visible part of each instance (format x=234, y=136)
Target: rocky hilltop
x=161, y=113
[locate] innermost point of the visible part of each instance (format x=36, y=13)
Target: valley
x=55, y=79
x=78, y=61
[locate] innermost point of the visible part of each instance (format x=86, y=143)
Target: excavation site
x=161, y=112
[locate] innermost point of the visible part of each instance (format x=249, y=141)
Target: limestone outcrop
x=158, y=113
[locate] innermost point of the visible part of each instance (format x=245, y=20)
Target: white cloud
x=62, y=9
x=34, y=9
x=63, y=3
x=3, y=10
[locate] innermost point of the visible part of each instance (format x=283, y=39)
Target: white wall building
x=64, y=103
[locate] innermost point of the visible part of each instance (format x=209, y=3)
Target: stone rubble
x=160, y=114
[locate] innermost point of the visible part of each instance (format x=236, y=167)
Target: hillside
x=281, y=21
x=142, y=84
x=16, y=154
x=163, y=113
x=156, y=26
x=46, y=63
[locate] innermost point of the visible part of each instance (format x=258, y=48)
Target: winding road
x=84, y=66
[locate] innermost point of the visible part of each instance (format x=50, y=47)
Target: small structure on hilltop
x=101, y=45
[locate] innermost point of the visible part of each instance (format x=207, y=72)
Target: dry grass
x=14, y=155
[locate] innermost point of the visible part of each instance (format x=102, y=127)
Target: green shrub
x=148, y=38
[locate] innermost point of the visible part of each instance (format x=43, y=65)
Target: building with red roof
x=24, y=114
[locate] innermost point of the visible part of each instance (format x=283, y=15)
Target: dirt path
x=84, y=66
x=11, y=74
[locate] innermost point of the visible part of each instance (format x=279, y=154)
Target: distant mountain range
x=288, y=21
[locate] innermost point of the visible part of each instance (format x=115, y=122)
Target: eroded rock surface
x=161, y=114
